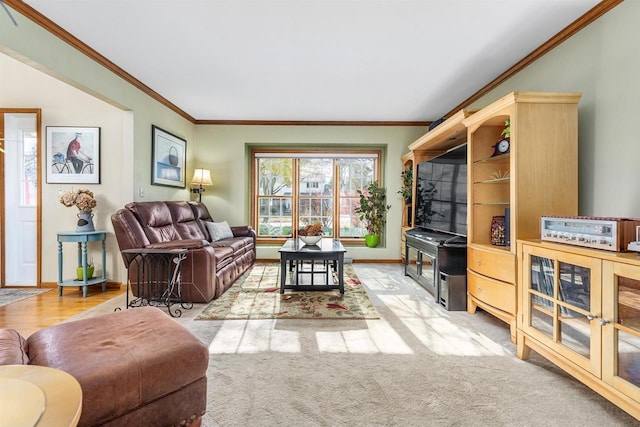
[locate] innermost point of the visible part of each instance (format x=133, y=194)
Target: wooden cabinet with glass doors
x=580, y=308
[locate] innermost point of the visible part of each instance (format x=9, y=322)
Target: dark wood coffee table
x=328, y=250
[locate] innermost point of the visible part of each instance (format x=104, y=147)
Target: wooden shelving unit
x=538, y=176
x=407, y=209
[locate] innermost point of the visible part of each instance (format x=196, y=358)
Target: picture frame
x=168, y=154
x=73, y=155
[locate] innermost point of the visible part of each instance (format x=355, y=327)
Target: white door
x=20, y=199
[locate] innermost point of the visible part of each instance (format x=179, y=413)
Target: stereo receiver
x=612, y=234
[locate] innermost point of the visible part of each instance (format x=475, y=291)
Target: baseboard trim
x=110, y=285
x=347, y=260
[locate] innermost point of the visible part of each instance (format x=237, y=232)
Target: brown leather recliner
x=209, y=268
x=136, y=367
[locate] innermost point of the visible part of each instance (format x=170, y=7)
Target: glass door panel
x=542, y=315
x=560, y=306
x=575, y=331
x=629, y=357
x=542, y=284
x=428, y=269
x=575, y=286
x=621, y=328
x=542, y=275
x=628, y=306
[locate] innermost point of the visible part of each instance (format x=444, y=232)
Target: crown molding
x=310, y=123
x=594, y=13
x=71, y=40
x=577, y=25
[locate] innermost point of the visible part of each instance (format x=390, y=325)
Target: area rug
x=256, y=295
x=7, y=296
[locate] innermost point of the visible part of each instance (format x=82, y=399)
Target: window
x=28, y=170
x=293, y=189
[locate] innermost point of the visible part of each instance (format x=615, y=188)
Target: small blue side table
x=82, y=238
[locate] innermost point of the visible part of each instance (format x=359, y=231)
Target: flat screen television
x=441, y=192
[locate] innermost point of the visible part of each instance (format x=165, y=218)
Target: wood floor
x=47, y=309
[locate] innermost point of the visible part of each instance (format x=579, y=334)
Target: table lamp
x=200, y=177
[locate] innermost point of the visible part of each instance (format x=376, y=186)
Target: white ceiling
x=314, y=60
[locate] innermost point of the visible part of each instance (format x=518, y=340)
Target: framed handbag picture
x=168, y=157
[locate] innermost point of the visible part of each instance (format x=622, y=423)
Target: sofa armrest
x=242, y=231
x=13, y=348
x=174, y=244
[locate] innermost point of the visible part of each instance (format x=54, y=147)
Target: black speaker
x=507, y=227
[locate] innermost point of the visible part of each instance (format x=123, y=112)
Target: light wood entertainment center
x=451, y=133
x=578, y=307
x=537, y=176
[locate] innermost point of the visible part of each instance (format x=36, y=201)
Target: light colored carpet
x=7, y=296
x=417, y=365
x=256, y=295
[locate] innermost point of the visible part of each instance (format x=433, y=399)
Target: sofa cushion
x=223, y=256
x=219, y=230
x=238, y=244
x=156, y=220
x=185, y=221
x=13, y=348
x=123, y=360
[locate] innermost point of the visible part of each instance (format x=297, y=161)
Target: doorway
x=20, y=198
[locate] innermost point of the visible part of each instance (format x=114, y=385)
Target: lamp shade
x=201, y=177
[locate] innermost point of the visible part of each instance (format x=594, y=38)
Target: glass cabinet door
x=561, y=304
x=621, y=327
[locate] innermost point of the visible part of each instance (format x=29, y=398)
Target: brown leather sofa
x=136, y=367
x=210, y=268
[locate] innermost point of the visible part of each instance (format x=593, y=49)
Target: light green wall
x=223, y=149
x=62, y=105
x=603, y=63
x=31, y=44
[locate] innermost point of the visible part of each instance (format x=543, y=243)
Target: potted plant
x=506, y=132
x=407, y=185
x=372, y=210
x=90, y=270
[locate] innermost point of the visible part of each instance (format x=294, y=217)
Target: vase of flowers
x=84, y=200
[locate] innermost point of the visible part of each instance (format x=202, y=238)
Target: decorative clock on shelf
x=501, y=147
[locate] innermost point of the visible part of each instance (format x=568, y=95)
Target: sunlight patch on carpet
x=436, y=332
x=256, y=295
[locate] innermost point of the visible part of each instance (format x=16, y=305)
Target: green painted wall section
x=603, y=63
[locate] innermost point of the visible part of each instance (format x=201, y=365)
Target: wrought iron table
x=157, y=278
x=329, y=251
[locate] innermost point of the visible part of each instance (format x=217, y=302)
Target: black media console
x=438, y=262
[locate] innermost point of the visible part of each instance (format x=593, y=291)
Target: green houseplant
x=372, y=210
x=407, y=185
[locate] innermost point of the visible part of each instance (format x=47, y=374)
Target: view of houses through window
x=296, y=189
